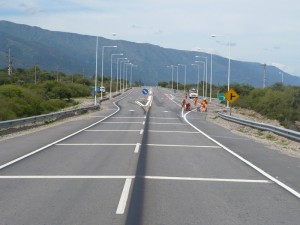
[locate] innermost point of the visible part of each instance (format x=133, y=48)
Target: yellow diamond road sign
x=231, y=95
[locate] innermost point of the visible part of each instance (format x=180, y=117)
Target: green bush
x=277, y=102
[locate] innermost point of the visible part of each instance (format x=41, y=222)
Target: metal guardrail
x=294, y=135
x=33, y=119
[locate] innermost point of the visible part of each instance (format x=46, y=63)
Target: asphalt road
x=122, y=165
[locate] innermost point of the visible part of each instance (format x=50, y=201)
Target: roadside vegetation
x=30, y=92
x=278, y=102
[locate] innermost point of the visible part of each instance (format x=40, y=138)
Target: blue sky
x=264, y=31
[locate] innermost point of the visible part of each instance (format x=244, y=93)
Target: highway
x=123, y=165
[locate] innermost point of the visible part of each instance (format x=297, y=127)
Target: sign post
x=231, y=96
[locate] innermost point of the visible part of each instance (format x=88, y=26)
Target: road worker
x=204, y=105
x=195, y=100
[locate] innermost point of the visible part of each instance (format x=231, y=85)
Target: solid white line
x=173, y=131
x=133, y=177
x=137, y=148
x=289, y=189
x=225, y=137
x=27, y=155
x=184, y=146
x=112, y=130
x=121, y=122
x=124, y=197
x=127, y=117
x=142, y=131
x=97, y=116
x=206, y=179
x=60, y=140
x=144, y=122
x=169, y=123
x=163, y=118
x=95, y=144
x=67, y=177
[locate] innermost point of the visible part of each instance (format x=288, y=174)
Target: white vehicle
x=193, y=93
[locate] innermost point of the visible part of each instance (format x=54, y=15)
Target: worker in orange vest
x=195, y=101
x=204, y=105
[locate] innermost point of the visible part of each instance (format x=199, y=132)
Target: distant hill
x=75, y=53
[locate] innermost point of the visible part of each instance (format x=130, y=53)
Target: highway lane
x=137, y=168
x=77, y=180
x=185, y=178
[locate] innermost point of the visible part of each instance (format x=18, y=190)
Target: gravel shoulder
x=269, y=139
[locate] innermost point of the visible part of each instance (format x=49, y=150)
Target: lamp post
x=96, y=73
x=103, y=47
x=228, y=77
x=211, y=74
x=132, y=65
x=118, y=72
x=198, y=68
x=126, y=64
x=197, y=56
x=177, y=77
x=122, y=73
x=184, y=76
x=111, y=62
x=172, y=67
x=203, y=76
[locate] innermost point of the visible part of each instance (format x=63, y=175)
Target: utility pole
x=9, y=63
x=265, y=76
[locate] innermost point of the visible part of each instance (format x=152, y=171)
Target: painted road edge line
x=124, y=197
x=289, y=189
x=62, y=139
x=206, y=179
x=66, y=177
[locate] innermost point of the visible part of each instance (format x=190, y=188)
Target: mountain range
x=76, y=53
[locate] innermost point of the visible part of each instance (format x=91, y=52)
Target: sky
x=263, y=31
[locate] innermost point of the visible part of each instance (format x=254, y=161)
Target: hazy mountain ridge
x=75, y=53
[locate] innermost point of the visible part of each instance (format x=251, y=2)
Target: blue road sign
x=145, y=91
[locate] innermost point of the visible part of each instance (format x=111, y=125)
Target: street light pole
x=229, y=52
x=118, y=72
x=203, y=76
x=96, y=74
x=177, y=77
x=172, y=67
x=103, y=47
x=126, y=64
x=205, y=72
x=120, y=80
x=122, y=73
x=132, y=65
x=111, y=62
x=210, y=82
x=198, y=68
x=211, y=74
x=184, y=76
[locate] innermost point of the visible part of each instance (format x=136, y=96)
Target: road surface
x=125, y=165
